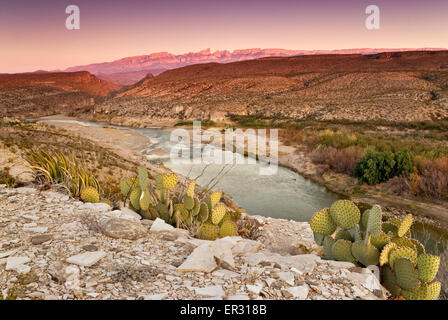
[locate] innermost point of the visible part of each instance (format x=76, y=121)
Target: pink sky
x=33, y=34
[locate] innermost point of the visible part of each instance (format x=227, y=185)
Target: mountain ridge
x=128, y=70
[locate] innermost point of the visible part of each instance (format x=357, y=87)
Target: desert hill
x=400, y=86
x=44, y=93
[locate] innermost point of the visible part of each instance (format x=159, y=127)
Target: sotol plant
x=179, y=205
x=347, y=235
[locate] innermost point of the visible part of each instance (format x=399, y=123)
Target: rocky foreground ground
x=53, y=247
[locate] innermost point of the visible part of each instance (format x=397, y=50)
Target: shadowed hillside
x=38, y=94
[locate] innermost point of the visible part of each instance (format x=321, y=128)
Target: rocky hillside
x=55, y=248
x=399, y=86
x=38, y=94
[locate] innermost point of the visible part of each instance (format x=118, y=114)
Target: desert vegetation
x=407, y=271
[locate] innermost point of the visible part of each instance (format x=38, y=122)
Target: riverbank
x=296, y=159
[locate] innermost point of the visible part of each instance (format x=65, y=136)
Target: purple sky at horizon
x=33, y=34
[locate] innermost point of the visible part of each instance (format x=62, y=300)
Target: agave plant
x=56, y=168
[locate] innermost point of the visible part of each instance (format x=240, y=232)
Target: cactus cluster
x=347, y=235
x=178, y=205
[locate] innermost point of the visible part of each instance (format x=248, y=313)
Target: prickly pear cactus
x=407, y=271
x=90, y=194
x=179, y=207
x=209, y=231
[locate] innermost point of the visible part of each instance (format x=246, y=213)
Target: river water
x=285, y=194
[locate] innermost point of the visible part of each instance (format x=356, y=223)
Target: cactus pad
x=384, y=256
x=404, y=242
x=364, y=218
x=428, y=266
x=345, y=213
x=343, y=234
x=433, y=290
x=405, y=225
x=196, y=207
x=218, y=213
x=170, y=181
x=90, y=194
x=126, y=185
x=380, y=241
x=318, y=238
x=188, y=202
x=209, y=231
x=390, y=228
x=419, y=294
x=342, y=250
x=328, y=247
x=322, y=222
x=228, y=229
x=366, y=254
x=214, y=198
x=145, y=200
x=374, y=221
x=402, y=252
x=190, y=188
x=159, y=182
x=418, y=246
x=134, y=197
x=203, y=213
x=143, y=177
x=390, y=281
x=406, y=274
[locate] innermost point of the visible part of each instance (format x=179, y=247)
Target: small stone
x=160, y=225
x=238, y=297
x=90, y=248
x=41, y=238
x=36, y=229
x=287, y=277
x=210, y=291
x=200, y=260
x=13, y=262
x=7, y=253
x=300, y=292
x=87, y=259
x=123, y=229
x=159, y=296
x=253, y=289
x=129, y=214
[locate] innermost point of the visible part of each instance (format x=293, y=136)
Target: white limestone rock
x=200, y=260
x=87, y=259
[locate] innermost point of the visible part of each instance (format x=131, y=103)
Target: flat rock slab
x=119, y=228
x=12, y=263
x=210, y=291
x=200, y=260
x=87, y=259
x=41, y=238
x=299, y=293
x=302, y=264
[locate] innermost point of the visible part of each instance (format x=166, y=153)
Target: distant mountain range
x=129, y=70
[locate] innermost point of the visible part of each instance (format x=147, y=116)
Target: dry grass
x=338, y=160
x=431, y=178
